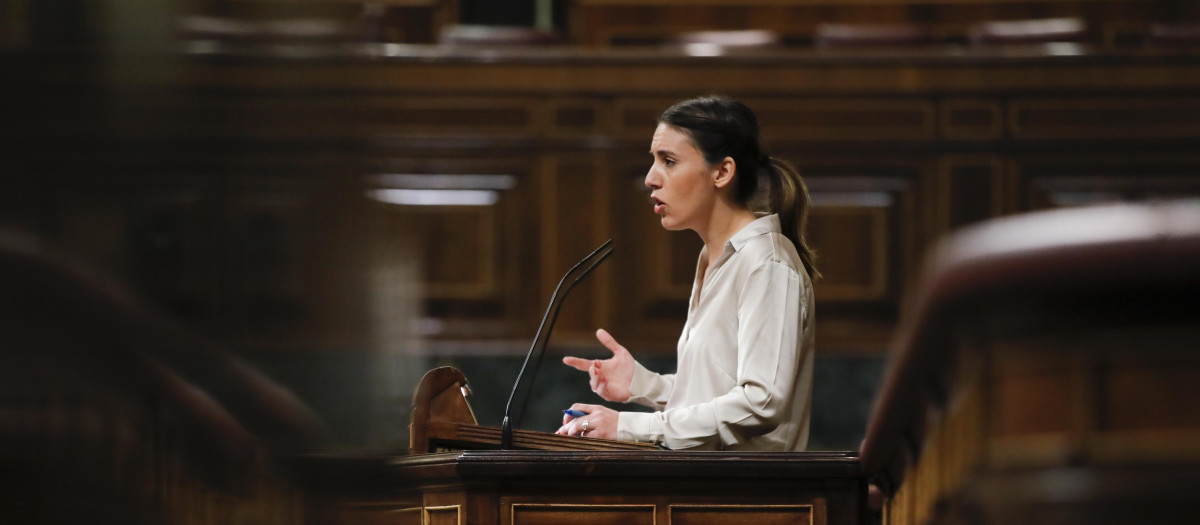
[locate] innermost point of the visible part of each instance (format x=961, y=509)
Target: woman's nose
x=652, y=180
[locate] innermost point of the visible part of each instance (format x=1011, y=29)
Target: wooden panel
x=757, y=514
x=859, y=119
x=460, y=250
x=808, y=119
x=497, y=487
x=294, y=116
x=1151, y=395
x=304, y=114
x=853, y=235
x=636, y=118
x=574, y=217
x=1062, y=399
x=329, y=21
x=468, y=225
x=856, y=225
x=535, y=514
x=275, y=265
x=380, y=515
x=1032, y=395
x=969, y=189
x=573, y=117
x=616, y=22
x=1092, y=117
x=158, y=236
x=1062, y=180
x=442, y=115
x=971, y=119
x=447, y=515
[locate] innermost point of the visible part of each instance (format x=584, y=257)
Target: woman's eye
x=669, y=162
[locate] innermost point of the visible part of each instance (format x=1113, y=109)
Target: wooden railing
x=1047, y=368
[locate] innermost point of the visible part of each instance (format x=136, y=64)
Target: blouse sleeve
x=769, y=360
x=650, y=389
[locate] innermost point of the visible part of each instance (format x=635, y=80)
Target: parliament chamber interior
x=281, y=261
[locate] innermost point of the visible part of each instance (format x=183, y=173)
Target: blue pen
x=574, y=413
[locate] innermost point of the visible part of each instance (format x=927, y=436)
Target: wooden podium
x=442, y=420
x=456, y=475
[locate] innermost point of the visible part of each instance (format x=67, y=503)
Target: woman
x=745, y=358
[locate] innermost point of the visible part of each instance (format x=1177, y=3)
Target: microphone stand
x=581, y=269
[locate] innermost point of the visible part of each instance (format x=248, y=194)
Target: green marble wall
x=337, y=387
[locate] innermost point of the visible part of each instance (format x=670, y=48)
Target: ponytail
x=789, y=199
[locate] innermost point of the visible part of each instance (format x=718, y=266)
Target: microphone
x=581, y=269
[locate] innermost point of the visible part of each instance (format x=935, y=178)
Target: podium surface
x=590, y=487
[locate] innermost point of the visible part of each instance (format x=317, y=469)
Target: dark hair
x=721, y=127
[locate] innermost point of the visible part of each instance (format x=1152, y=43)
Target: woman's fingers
x=608, y=341
x=578, y=363
x=600, y=422
x=603, y=374
x=588, y=409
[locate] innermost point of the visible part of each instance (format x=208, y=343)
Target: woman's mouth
x=658, y=204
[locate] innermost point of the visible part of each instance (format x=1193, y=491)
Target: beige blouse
x=745, y=357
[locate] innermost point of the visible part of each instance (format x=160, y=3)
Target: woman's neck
x=725, y=221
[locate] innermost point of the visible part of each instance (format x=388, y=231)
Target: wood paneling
x=809, y=119
x=898, y=148
x=623, y=22
x=855, y=254
x=447, y=515
x=863, y=217
x=1146, y=395
x=765, y=514
x=636, y=118
x=598, y=486
x=1060, y=180
x=530, y=514
x=970, y=186
x=437, y=115
x=412, y=21
x=460, y=258
x=574, y=216
x=971, y=119
x=580, y=117
x=378, y=514
x=1031, y=394
x=848, y=119
x=1131, y=118
x=477, y=261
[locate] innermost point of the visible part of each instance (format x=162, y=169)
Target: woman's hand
x=609, y=378
x=601, y=422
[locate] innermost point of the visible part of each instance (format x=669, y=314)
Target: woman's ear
x=725, y=171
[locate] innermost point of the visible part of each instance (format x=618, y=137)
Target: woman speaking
x=745, y=358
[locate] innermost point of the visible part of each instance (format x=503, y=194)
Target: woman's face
x=681, y=181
